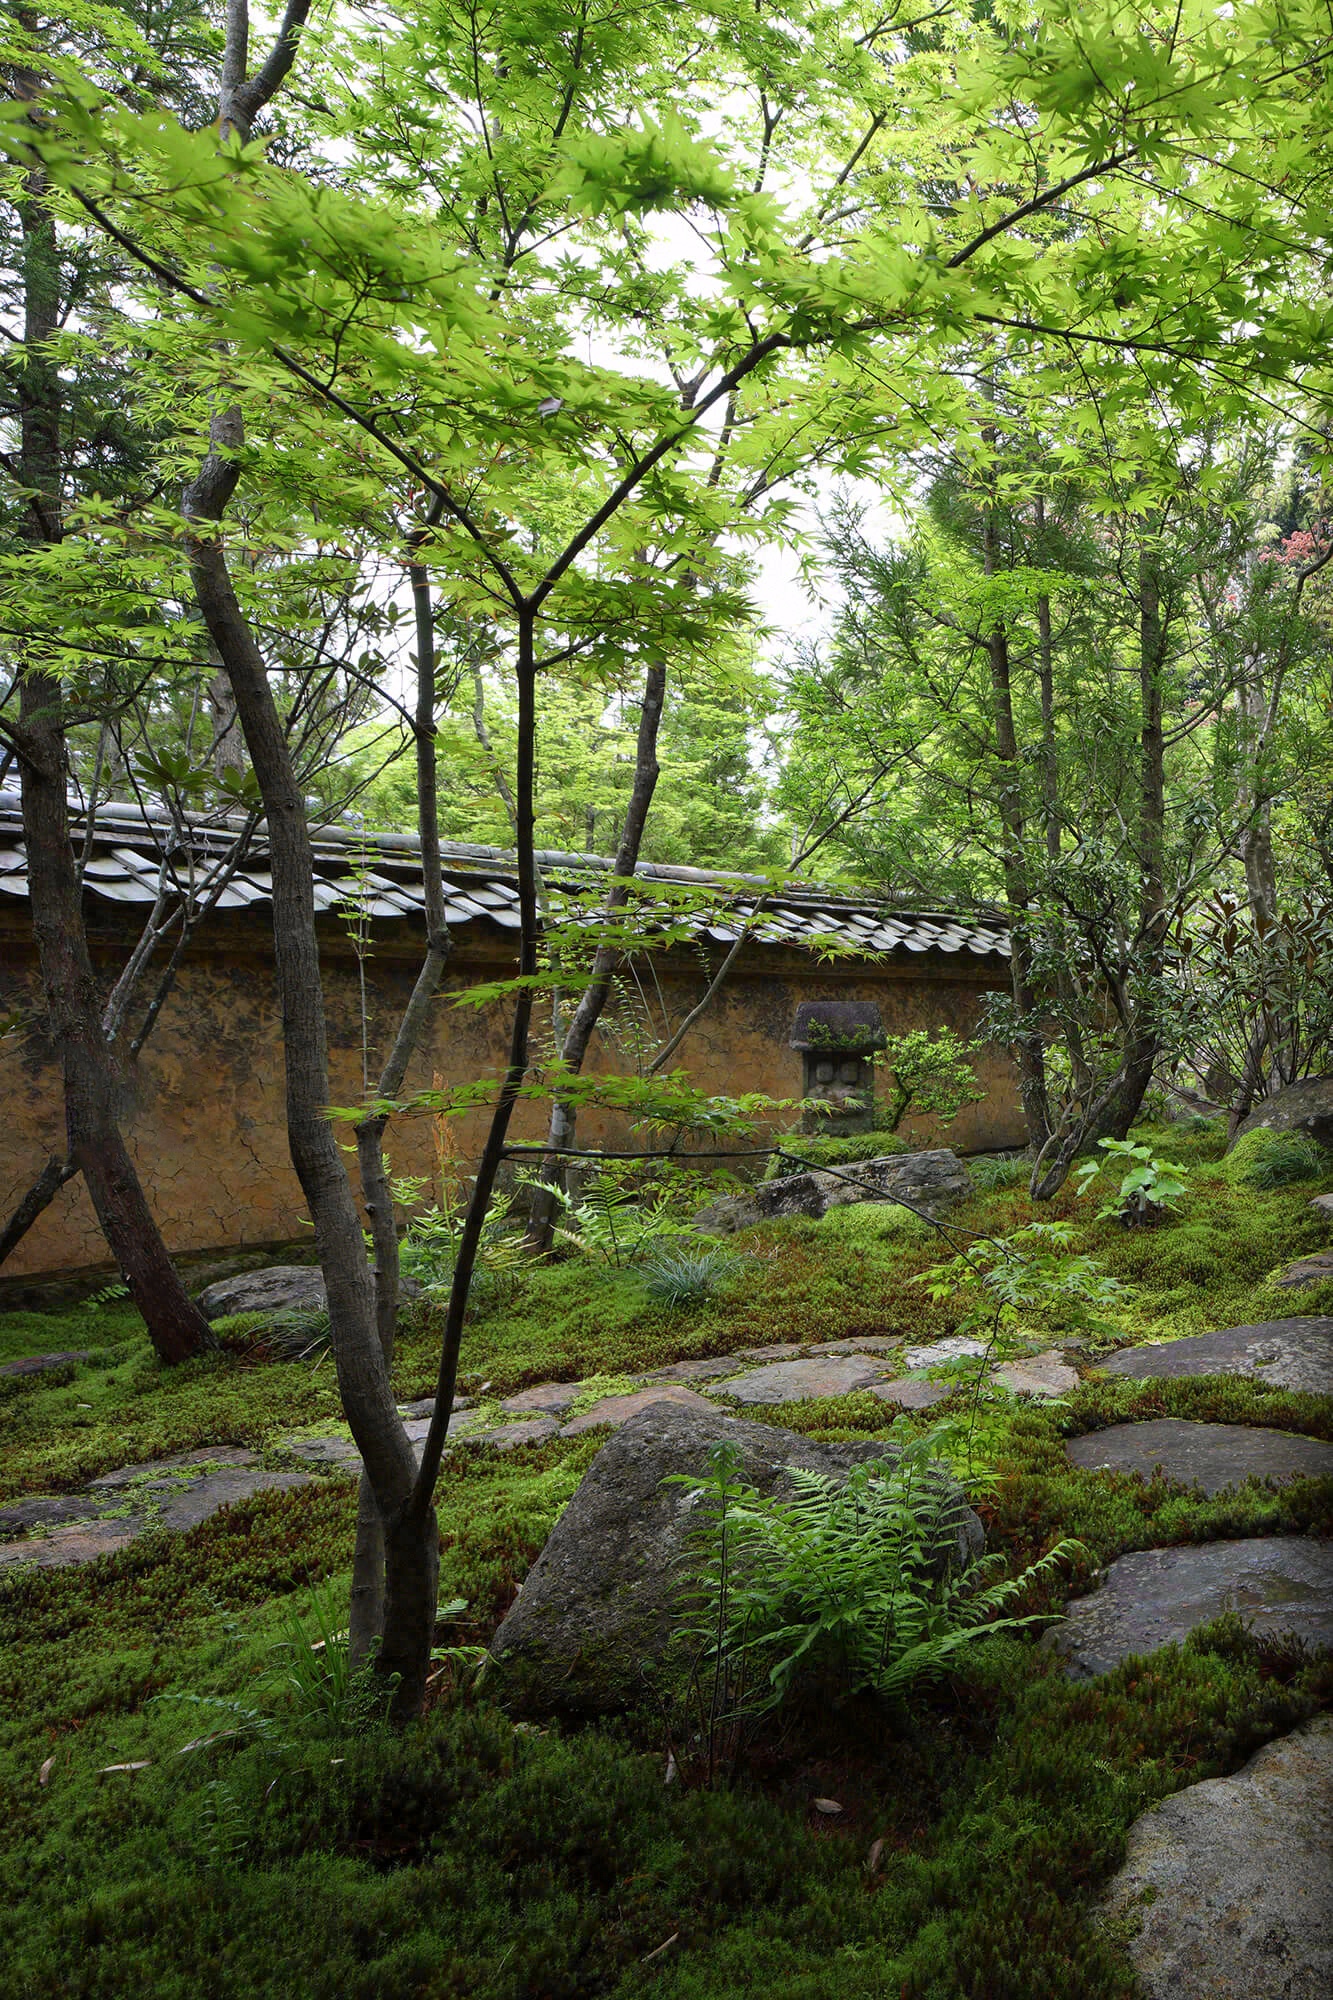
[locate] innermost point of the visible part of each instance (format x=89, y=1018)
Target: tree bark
x=1031, y=1062
x=96, y=1146
x=362, y=1369
x=607, y=958
x=368, y=1561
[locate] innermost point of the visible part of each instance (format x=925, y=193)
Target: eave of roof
x=381, y=873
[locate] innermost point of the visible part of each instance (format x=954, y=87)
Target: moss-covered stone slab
x=799, y=1381
x=534, y=1430
x=1156, y=1597
x=958, y=1347
x=41, y=1364
x=704, y=1369
x=172, y=1493
x=548, y=1399
x=1323, y=1205
x=1211, y=1456
x=594, y=1628
x=1227, y=1888
x=1042, y=1375
x=1291, y=1353
x=617, y=1410
x=912, y=1395
x=65, y=1547
x=1307, y=1271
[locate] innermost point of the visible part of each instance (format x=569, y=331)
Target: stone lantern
x=837, y=1039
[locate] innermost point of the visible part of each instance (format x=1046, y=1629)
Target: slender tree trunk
x=96, y=1147
x=363, y=1374
x=607, y=958
x=368, y=1562
x=1050, y=763
x=1031, y=1061
x=57, y=1173
x=1143, y=1034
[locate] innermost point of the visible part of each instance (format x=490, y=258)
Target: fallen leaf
x=829, y=1807
x=46, y=1770
x=875, y=1855
x=142, y=1765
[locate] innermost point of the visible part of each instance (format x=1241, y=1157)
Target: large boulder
x=1305, y=1107
x=1227, y=1888
x=282, y=1288
x=932, y=1182
x=592, y=1630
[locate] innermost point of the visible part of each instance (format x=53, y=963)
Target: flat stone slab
x=172, y=1493
x=64, y=1547
x=549, y=1399
x=797, y=1381
x=38, y=1364
x=870, y=1343
x=1213, y=1456
x=617, y=1410
x=702, y=1370
x=957, y=1348
x=56, y=1510
x=1324, y=1204
x=339, y=1454
x=777, y=1350
x=1046, y=1374
x=909, y=1395
x=158, y=1471
x=536, y=1430
x=1229, y=1885
x=1291, y=1353
x=1307, y=1271
x=1155, y=1597
x=425, y=1406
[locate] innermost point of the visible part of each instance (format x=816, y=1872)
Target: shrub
x=1264, y=1159
x=680, y=1274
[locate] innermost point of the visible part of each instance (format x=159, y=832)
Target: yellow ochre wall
x=203, y=1110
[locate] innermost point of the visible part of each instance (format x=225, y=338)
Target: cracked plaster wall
x=203, y=1106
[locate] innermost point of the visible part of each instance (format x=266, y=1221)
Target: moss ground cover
x=471, y=1858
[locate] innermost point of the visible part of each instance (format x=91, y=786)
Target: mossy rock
x=833, y=1149
x=596, y=1628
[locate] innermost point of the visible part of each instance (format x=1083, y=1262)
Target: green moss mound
x=1264, y=1159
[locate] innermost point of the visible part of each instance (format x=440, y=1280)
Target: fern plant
x=854, y=1585
x=615, y=1222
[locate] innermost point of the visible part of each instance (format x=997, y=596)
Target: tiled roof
x=381, y=874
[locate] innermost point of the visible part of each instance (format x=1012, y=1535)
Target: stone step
x=1290, y=1353
x=1212, y=1456
x=1156, y=1597
x=171, y=1493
